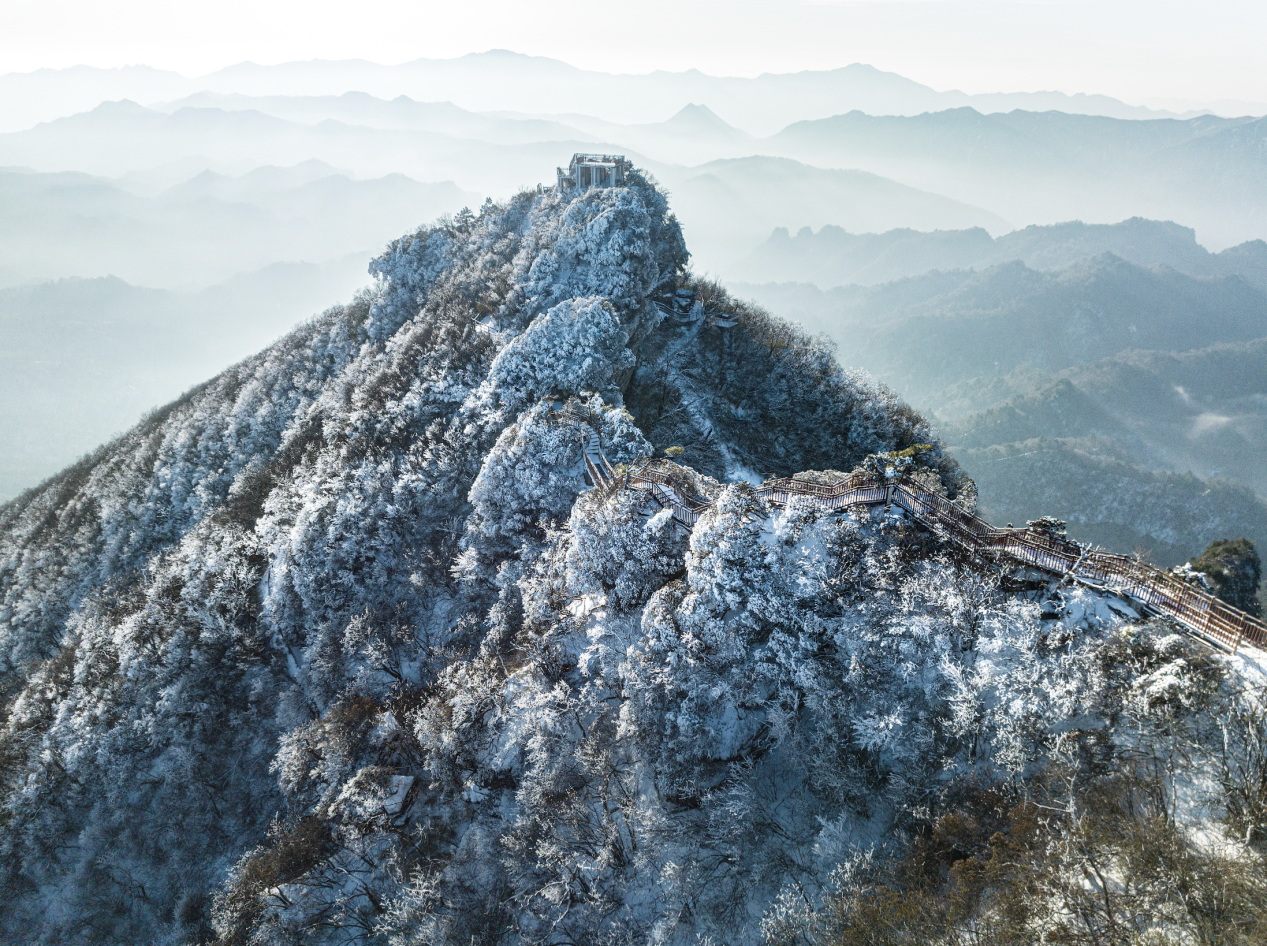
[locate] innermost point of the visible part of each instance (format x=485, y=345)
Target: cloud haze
x=1138, y=51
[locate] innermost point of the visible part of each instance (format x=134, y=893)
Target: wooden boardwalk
x=1157, y=591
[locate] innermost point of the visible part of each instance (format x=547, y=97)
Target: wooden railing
x=1157, y=591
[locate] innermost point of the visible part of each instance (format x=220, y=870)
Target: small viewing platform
x=593, y=170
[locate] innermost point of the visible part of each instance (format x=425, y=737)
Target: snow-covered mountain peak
x=369, y=639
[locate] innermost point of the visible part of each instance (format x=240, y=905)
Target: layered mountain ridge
x=834, y=257
x=1104, y=372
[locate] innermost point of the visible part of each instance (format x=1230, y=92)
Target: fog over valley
x=211, y=180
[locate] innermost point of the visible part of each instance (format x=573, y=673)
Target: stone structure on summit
x=593, y=170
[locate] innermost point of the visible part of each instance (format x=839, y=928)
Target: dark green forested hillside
x=1046, y=377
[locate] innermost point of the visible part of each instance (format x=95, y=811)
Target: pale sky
x=1130, y=49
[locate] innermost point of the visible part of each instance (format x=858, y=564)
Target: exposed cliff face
x=339, y=647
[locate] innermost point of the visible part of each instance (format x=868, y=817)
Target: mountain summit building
x=593, y=170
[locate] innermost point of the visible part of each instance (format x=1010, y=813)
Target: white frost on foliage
x=785, y=670
x=234, y=637
x=532, y=475
x=601, y=246
x=406, y=271
x=578, y=345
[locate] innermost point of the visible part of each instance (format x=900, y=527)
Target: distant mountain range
x=207, y=228
x=835, y=257
x=82, y=359
x=1208, y=173
x=727, y=206
x=501, y=80
x=995, y=171
x=924, y=334
x=398, y=114
x=124, y=136
x=1133, y=399
x=1200, y=410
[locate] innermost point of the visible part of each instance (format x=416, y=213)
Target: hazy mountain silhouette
x=1022, y=167
x=1209, y=173
x=399, y=114
x=726, y=206
x=118, y=137
x=27, y=98
x=694, y=135
x=835, y=257
x=922, y=335
x=83, y=358
x=203, y=230
x=502, y=80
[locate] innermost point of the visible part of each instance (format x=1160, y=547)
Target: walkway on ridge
x=1157, y=591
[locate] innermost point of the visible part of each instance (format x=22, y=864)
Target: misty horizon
x=450, y=80
x=255, y=182
x=684, y=473
x=1151, y=102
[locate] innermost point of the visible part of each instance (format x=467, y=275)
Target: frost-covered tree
x=578, y=345
x=1234, y=571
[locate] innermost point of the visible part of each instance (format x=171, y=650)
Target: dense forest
x=340, y=647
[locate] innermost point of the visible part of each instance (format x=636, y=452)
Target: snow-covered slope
x=340, y=647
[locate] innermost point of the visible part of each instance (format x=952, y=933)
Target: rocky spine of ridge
x=340, y=648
